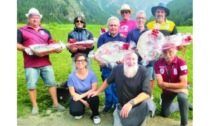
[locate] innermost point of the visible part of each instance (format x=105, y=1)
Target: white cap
x=33, y=11
x=125, y=7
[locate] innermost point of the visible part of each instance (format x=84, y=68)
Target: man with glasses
x=134, y=35
x=126, y=24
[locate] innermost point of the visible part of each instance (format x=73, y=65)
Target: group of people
x=128, y=86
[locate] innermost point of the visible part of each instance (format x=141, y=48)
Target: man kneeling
x=133, y=91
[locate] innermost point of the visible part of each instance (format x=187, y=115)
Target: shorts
x=151, y=73
x=33, y=74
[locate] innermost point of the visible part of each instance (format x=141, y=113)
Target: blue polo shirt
x=134, y=35
x=104, y=38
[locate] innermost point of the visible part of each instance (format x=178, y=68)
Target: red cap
x=168, y=46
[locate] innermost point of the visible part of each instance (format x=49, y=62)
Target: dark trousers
x=77, y=108
x=168, y=106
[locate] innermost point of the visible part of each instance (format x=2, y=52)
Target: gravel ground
x=64, y=119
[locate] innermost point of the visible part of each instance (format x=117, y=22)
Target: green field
x=62, y=66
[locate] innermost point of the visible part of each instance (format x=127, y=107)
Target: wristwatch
x=132, y=102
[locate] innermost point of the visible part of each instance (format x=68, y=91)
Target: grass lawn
x=62, y=66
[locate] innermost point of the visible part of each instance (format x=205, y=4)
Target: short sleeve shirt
x=167, y=28
x=28, y=36
x=82, y=86
x=128, y=88
x=172, y=72
x=126, y=26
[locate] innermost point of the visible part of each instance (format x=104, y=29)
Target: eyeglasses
x=77, y=21
x=80, y=61
x=124, y=11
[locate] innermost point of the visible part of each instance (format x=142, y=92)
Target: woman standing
x=81, y=83
x=79, y=34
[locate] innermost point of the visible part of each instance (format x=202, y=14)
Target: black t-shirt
x=129, y=88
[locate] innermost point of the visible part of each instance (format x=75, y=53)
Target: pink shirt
x=126, y=26
x=171, y=72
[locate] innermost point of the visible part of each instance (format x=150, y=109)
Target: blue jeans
x=110, y=95
x=168, y=106
x=33, y=74
x=151, y=73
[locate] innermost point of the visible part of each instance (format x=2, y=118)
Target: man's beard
x=130, y=71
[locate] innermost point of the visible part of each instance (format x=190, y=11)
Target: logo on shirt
x=167, y=26
x=184, y=67
x=42, y=32
x=162, y=71
x=156, y=25
x=124, y=28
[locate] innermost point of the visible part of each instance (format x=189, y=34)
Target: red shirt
x=173, y=71
x=28, y=36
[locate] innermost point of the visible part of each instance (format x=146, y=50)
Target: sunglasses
x=77, y=21
x=125, y=11
x=80, y=61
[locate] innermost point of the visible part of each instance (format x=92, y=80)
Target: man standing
x=171, y=72
x=126, y=24
x=134, y=35
x=161, y=23
x=111, y=35
x=35, y=64
x=133, y=91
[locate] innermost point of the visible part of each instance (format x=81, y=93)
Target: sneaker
x=160, y=101
x=35, y=111
x=96, y=119
x=106, y=110
x=78, y=117
x=59, y=108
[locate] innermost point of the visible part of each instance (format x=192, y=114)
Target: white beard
x=130, y=71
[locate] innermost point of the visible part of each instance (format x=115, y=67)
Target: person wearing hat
x=171, y=73
x=161, y=23
x=35, y=64
x=126, y=24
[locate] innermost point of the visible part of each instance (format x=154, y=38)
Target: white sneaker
x=78, y=117
x=160, y=101
x=96, y=119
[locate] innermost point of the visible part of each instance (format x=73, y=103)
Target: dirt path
x=64, y=119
